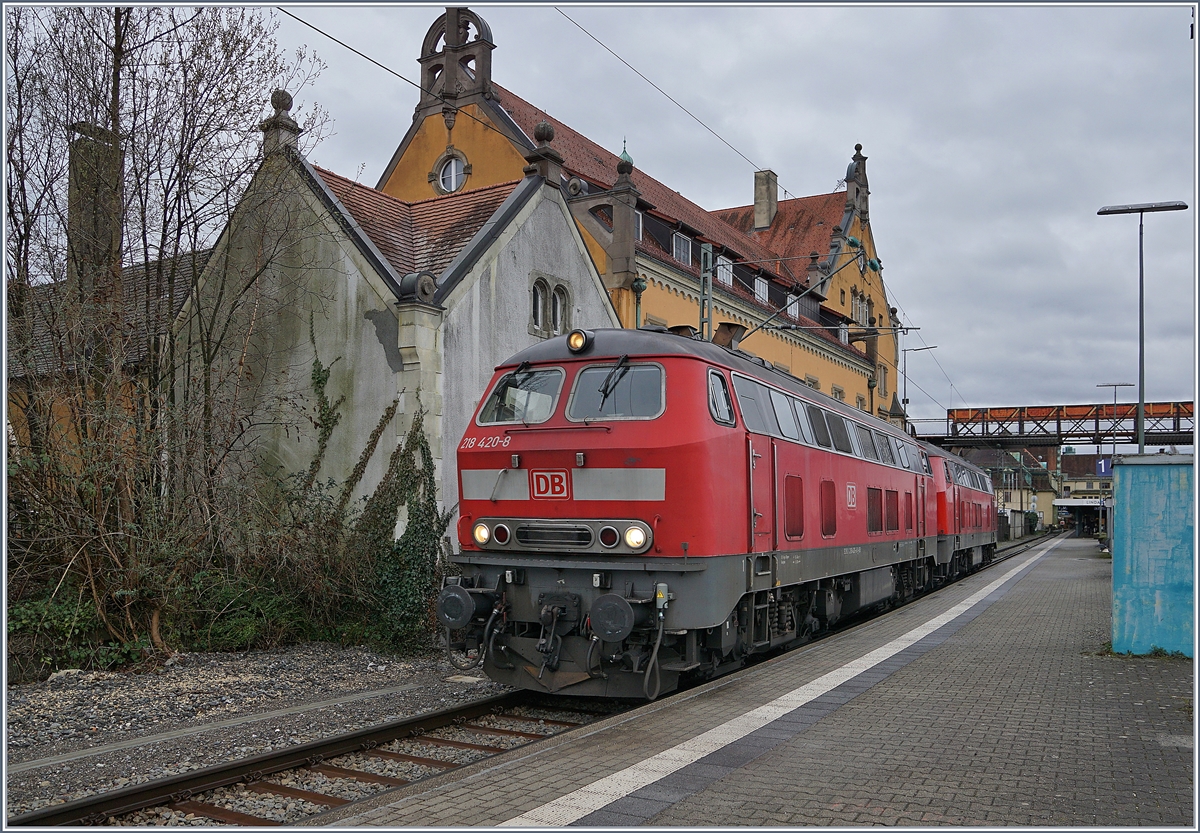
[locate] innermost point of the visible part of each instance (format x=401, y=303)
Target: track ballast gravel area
x=201, y=709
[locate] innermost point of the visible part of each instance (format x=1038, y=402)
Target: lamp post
x=1141, y=209
x=904, y=370
x=1114, y=386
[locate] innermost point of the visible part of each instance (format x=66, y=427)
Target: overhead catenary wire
x=484, y=123
x=665, y=94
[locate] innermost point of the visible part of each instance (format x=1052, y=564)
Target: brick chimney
x=766, y=198
x=94, y=202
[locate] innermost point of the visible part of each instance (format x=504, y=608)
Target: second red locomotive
x=636, y=506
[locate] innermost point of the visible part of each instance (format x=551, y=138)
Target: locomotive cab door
x=762, y=492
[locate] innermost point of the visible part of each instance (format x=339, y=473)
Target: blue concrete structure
x=1153, y=553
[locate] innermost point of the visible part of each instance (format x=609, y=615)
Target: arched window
x=538, y=305
x=450, y=177
x=559, y=310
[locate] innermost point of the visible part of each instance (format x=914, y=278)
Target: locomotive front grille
x=541, y=535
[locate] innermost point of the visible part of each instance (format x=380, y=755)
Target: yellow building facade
x=814, y=257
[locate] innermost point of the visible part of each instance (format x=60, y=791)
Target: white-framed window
x=683, y=248
x=793, y=307
x=760, y=290
x=883, y=374
x=637, y=225
x=451, y=175
x=838, y=393
x=813, y=382
x=725, y=270
x=844, y=333
x=860, y=402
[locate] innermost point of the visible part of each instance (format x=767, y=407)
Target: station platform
x=993, y=702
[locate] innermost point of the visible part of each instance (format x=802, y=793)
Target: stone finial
x=544, y=160
x=281, y=100
x=280, y=130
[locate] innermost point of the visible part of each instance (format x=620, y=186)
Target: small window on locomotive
x=784, y=415
x=902, y=450
x=719, y=404
x=908, y=512
x=874, y=510
x=793, y=507
x=820, y=430
x=617, y=391
x=757, y=412
x=828, y=509
x=925, y=462
x=865, y=442
x=837, y=430
x=526, y=396
x=884, y=443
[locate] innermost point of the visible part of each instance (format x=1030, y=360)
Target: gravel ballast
x=202, y=709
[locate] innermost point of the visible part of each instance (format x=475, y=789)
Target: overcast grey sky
x=993, y=136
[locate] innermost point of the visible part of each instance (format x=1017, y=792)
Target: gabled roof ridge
x=665, y=199
x=781, y=203
x=510, y=184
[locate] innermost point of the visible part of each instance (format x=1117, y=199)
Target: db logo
x=551, y=485
x=851, y=496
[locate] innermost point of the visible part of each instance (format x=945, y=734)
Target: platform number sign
x=851, y=496
x=551, y=484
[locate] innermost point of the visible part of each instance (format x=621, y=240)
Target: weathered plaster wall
x=315, y=281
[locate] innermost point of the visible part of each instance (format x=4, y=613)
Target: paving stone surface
x=1015, y=715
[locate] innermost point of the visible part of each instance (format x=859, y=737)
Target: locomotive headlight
x=579, y=340
x=635, y=537
x=481, y=534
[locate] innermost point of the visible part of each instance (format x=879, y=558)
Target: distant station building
x=1086, y=492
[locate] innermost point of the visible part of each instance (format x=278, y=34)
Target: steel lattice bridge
x=1167, y=423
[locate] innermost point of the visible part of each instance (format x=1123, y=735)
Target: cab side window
x=719, y=404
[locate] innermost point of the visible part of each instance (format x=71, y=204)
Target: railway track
x=310, y=778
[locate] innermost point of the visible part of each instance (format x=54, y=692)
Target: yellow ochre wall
x=674, y=307
x=492, y=157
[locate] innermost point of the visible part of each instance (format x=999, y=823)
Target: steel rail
x=180, y=788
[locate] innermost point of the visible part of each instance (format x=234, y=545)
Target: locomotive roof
x=614, y=343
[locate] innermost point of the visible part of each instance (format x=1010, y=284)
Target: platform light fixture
x=1141, y=209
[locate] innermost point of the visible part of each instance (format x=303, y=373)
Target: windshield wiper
x=511, y=379
x=612, y=380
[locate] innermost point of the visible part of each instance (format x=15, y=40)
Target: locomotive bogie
x=638, y=508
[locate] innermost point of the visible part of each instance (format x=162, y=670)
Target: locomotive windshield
x=526, y=396
x=620, y=391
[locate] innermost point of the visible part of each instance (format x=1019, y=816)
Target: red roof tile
x=801, y=226
x=586, y=159
x=423, y=235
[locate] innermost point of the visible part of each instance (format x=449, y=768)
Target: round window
x=451, y=175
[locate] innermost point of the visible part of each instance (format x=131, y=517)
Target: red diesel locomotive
x=637, y=505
